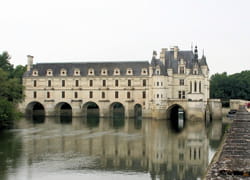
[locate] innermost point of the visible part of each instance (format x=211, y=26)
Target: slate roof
x=172, y=63
x=42, y=68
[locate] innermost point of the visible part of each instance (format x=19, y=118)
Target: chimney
x=162, y=55
x=176, y=49
x=29, y=62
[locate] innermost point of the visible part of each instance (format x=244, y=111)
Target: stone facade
x=176, y=78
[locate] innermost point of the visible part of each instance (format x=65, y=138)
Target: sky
x=121, y=30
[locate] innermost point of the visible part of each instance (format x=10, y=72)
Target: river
x=66, y=148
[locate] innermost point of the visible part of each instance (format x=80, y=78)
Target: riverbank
x=232, y=159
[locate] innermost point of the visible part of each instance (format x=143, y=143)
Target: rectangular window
x=48, y=94
x=116, y=83
x=181, y=82
x=144, y=82
x=34, y=83
x=103, y=83
x=129, y=82
x=77, y=83
x=103, y=95
x=128, y=95
x=63, y=83
x=116, y=94
x=90, y=83
x=179, y=94
x=76, y=95
x=63, y=94
x=34, y=94
x=183, y=95
x=91, y=94
x=144, y=94
x=49, y=83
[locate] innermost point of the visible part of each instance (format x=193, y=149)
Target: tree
x=10, y=90
x=235, y=86
x=5, y=62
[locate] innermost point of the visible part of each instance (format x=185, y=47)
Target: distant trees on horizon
x=235, y=86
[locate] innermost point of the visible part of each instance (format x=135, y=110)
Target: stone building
x=157, y=89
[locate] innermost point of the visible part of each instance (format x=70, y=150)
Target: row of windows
x=182, y=70
x=194, y=86
x=91, y=71
x=91, y=83
x=103, y=94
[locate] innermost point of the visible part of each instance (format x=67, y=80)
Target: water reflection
x=117, y=145
x=10, y=153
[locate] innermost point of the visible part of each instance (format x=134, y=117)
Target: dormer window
x=195, y=72
x=63, y=72
x=104, y=71
x=35, y=72
x=129, y=71
x=91, y=71
x=182, y=70
x=158, y=71
x=116, y=71
x=77, y=72
x=144, y=71
x=49, y=72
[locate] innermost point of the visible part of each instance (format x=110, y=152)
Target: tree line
x=10, y=90
x=235, y=86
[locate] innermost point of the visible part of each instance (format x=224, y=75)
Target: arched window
x=63, y=72
x=195, y=86
x=49, y=72
x=144, y=71
x=77, y=72
x=104, y=71
x=129, y=71
x=35, y=72
x=116, y=71
x=91, y=71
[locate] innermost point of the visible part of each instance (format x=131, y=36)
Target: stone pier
x=234, y=159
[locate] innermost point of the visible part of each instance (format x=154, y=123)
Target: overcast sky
x=114, y=30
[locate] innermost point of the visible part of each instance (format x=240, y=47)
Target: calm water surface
x=64, y=148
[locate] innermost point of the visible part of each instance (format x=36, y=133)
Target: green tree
x=10, y=90
x=235, y=86
x=5, y=62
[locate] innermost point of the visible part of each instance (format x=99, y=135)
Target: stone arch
x=173, y=109
x=176, y=115
x=35, y=108
x=117, y=109
x=90, y=108
x=63, y=109
x=117, y=114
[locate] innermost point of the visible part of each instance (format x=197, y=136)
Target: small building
x=156, y=89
